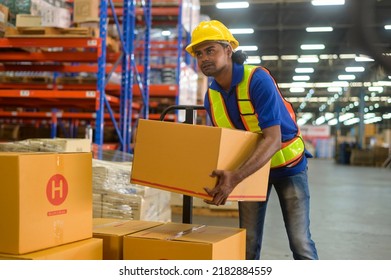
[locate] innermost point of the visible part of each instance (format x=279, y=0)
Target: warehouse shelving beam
x=147, y=48
x=101, y=77
x=179, y=50
x=128, y=23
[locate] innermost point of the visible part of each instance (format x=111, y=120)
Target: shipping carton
x=85, y=10
x=26, y=20
x=45, y=200
x=175, y=241
x=3, y=17
x=112, y=231
x=60, y=145
x=63, y=145
x=87, y=249
x=180, y=157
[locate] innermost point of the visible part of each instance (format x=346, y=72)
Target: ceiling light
x=332, y=122
x=166, y=33
x=347, y=56
x=328, y=56
x=298, y=84
x=312, y=47
x=387, y=116
x=289, y=57
x=304, y=118
x=329, y=116
x=369, y=115
x=304, y=70
x=308, y=59
x=352, y=121
x=253, y=59
x=340, y=84
x=232, y=5
x=355, y=69
x=241, y=30
x=387, y=27
x=345, y=117
x=363, y=58
x=346, y=77
x=301, y=78
x=327, y=2
x=320, y=120
x=297, y=89
x=319, y=29
x=373, y=120
x=270, y=57
x=334, y=89
x=383, y=83
x=378, y=89
x=248, y=48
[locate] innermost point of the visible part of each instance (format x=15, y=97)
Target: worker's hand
x=226, y=182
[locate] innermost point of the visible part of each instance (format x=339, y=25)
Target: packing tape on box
x=184, y=232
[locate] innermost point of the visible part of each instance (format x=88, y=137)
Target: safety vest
x=291, y=151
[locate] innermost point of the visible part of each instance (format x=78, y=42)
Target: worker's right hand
x=226, y=182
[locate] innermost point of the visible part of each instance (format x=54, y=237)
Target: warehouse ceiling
x=358, y=30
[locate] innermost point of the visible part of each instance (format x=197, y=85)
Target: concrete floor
x=350, y=214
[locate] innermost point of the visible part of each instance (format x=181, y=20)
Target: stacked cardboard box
x=175, y=241
x=46, y=206
x=62, y=145
x=52, y=13
x=112, y=232
x=147, y=240
x=3, y=19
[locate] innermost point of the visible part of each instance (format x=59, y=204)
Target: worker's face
x=212, y=57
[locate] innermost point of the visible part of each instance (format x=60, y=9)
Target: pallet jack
x=190, y=110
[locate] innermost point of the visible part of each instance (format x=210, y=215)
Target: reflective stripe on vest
x=290, y=152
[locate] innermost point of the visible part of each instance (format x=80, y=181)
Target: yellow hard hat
x=212, y=30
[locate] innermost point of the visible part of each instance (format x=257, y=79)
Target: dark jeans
x=294, y=200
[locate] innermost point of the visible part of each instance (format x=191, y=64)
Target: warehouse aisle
x=350, y=214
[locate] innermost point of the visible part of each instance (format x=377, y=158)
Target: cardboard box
x=60, y=145
x=179, y=157
x=63, y=145
x=53, y=13
x=112, y=231
x=88, y=249
x=45, y=200
x=85, y=10
x=26, y=20
x=3, y=17
x=56, y=17
x=175, y=241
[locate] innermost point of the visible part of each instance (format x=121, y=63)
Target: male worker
x=246, y=97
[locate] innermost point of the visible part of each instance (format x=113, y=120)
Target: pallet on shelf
x=26, y=79
x=43, y=31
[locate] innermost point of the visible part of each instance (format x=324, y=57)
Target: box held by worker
x=180, y=157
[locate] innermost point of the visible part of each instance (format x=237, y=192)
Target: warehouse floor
x=350, y=214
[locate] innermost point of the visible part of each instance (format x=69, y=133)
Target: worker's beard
x=209, y=69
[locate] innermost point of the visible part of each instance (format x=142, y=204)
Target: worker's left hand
x=226, y=182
